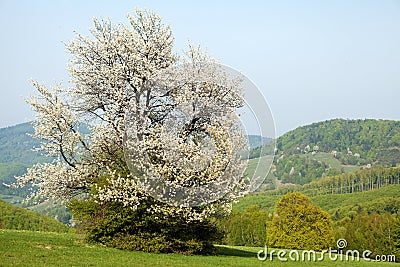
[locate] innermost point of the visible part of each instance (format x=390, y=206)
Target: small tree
x=246, y=229
x=298, y=224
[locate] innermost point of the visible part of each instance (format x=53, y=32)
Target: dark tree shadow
x=225, y=251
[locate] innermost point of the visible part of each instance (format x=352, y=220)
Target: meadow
x=28, y=248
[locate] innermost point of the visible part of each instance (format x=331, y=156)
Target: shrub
x=121, y=227
x=297, y=224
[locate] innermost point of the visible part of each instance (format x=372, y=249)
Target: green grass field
x=26, y=248
x=334, y=163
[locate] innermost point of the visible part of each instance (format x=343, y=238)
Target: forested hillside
x=14, y=141
x=16, y=155
x=351, y=141
x=366, y=181
x=336, y=146
x=347, y=183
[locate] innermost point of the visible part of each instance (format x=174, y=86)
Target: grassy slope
x=52, y=249
x=260, y=163
x=13, y=217
x=333, y=162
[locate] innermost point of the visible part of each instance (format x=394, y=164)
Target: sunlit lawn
x=26, y=248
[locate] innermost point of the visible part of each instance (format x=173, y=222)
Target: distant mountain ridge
x=16, y=155
x=16, y=144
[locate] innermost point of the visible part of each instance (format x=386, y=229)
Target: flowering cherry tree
x=136, y=115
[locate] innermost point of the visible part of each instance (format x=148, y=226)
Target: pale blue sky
x=313, y=60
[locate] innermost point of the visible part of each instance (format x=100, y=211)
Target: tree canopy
x=298, y=224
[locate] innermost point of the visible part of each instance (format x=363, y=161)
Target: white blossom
x=113, y=72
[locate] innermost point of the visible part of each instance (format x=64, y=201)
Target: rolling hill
x=13, y=217
x=335, y=146
x=353, y=142
x=16, y=155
